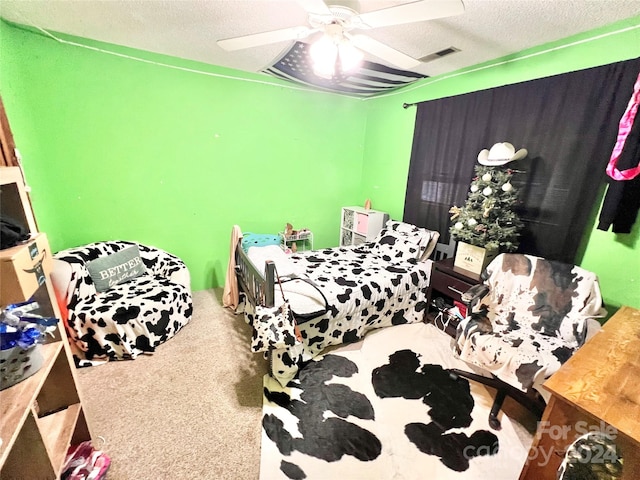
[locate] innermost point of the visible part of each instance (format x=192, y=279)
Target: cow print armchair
x=535, y=315
x=120, y=299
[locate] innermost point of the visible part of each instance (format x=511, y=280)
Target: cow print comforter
x=363, y=291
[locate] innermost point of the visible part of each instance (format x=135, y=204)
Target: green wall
x=118, y=148
x=615, y=258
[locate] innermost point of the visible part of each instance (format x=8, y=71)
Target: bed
x=337, y=294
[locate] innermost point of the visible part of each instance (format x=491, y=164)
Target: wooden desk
x=597, y=388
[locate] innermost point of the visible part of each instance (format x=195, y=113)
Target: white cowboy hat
x=500, y=154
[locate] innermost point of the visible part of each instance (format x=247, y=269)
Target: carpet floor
x=193, y=409
x=190, y=411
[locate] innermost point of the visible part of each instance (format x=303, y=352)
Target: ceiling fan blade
x=410, y=12
x=383, y=51
x=265, y=38
x=315, y=7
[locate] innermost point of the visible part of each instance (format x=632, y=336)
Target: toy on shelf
x=292, y=236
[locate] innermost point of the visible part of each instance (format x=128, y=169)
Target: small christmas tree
x=487, y=218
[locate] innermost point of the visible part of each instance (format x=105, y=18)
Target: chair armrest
x=61, y=279
x=592, y=327
x=475, y=293
x=161, y=263
x=71, y=279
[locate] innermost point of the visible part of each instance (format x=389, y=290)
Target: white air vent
x=439, y=54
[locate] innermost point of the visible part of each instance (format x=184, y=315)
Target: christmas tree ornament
x=486, y=177
x=471, y=222
x=455, y=212
x=487, y=191
x=474, y=188
x=507, y=187
x=459, y=226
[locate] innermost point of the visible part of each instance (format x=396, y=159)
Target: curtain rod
x=407, y=105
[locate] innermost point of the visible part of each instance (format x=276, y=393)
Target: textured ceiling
x=189, y=29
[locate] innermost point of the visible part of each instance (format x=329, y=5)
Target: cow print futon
x=126, y=319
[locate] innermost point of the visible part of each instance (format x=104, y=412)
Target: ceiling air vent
x=439, y=54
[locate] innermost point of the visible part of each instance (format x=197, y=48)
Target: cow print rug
x=385, y=408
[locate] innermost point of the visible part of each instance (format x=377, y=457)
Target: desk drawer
x=23, y=269
x=448, y=285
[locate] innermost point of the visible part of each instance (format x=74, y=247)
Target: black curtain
x=569, y=125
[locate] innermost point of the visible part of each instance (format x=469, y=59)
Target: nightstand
x=449, y=283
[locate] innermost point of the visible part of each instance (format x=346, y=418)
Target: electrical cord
x=442, y=307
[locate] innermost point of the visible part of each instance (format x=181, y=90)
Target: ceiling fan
x=338, y=22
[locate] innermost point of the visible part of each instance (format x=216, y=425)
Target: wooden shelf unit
x=359, y=225
x=41, y=416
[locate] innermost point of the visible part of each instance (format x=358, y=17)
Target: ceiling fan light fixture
x=323, y=54
x=324, y=70
x=330, y=53
x=324, y=50
x=350, y=56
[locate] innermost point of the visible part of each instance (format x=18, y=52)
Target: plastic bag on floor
x=83, y=462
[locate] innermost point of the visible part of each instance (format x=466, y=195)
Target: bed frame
x=259, y=287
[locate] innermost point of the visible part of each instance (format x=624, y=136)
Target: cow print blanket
x=385, y=407
x=363, y=291
x=533, y=320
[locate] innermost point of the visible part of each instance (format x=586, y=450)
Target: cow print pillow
x=273, y=328
x=394, y=248
x=425, y=239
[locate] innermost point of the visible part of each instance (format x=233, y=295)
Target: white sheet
x=302, y=297
x=259, y=255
